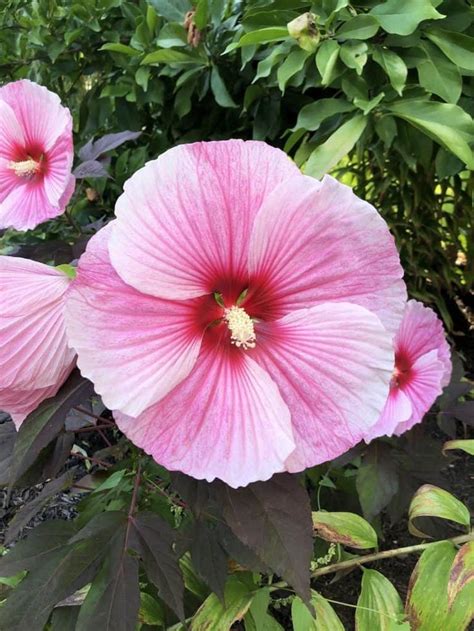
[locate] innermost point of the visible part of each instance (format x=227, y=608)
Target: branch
x=387, y=554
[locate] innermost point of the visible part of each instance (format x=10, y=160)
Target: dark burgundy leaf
x=90, y=168
x=377, y=479
x=64, y=619
x=7, y=442
x=153, y=540
x=36, y=549
x=45, y=423
x=273, y=519
x=113, y=600
x=101, y=526
x=208, y=556
x=239, y=552
x=92, y=150
x=66, y=570
x=61, y=453
x=52, y=251
x=196, y=493
x=29, y=511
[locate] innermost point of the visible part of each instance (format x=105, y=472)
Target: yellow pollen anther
x=26, y=168
x=242, y=332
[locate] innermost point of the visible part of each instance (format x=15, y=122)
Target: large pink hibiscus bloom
x=422, y=369
x=34, y=356
x=224, y=316
x=36, y=154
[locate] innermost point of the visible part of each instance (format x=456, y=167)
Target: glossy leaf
x=346, y=528
x=403, y=16
x=338, y=145
x=262, y=36
x=292, y=64
x=354, y=55
x=431, y=501
x=464, y=445
x=393, y=65
x=361, y=26
x=172, y=10
x=438, y=75
x=459, y=48
x=312, y=115
x=326, y=59
x=170, y=56
x=218, y=87
x=325, y=618
x=120, y=48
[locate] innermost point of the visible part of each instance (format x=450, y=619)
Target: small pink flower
x=34, y=356
x=36, y=154
x=224, y=315
x=422, y=369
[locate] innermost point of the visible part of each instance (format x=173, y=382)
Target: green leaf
x=273, y=519
x=361, y=26
x=393, y=65
x=386, y=129
x=338, y=145
x=462, y=571
x=464, y=445
x=456, y=46
x=401, y=17
x=312, y=115
x=346, y=528
x=218, y=87
x=354, y=55
x=326, y=59
x=201, y=15
x=326, y=618
x=431, y=501
x=151, y=611
x=170, y=35
x=368, y=106
x=172, y=10
x=438, y=75
x=213, y=614
x=292, y=64
x=427, y=605
x=261, y=36
x=170, y=56
x=45, y=423
x=120, y=48
x=379, y=606
x=448, y=124
x=257, y=617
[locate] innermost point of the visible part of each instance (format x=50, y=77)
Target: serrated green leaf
x=326, y=618
x=326, y=59
x=362, y=26
x=459, y=48
x=393, y=65
x=312, y=115
x=438, y=75
x=379, y=606
x=447, y=124
x=346, y=528
x=431, y=501
x=338, y=145
x=401, y=17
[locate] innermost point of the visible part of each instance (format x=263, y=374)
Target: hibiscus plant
x=227, y=376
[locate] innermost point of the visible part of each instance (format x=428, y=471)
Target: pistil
x=241, y=326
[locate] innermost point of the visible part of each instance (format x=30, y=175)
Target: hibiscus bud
x=304, y=30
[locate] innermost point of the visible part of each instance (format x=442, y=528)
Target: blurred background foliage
x=378, y=93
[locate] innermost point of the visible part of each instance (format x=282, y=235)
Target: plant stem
x=99, y=418
x=387, y=554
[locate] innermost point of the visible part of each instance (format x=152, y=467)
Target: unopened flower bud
x=304, y=30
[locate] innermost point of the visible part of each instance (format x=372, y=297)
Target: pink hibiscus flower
x=34, y=356
x=224, y=315
x=36, y=154
x=422, y=370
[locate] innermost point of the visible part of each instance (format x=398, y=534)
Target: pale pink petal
x=422, y=331
x=57, y=179
x=332, y=364
x=26, y=206
x=315, y=242
x=20, y=403
x=33, y=346
x=184, y=220
x=423, y=388
x=8, y=179
x=134, y=348
x=11, y=134
x=397, y=410
x=67, y=194
x=227, y=420
x=39, y=112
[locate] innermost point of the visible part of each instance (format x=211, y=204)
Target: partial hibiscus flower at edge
x=237, y=316
x=35, y=359
x=422, y=369
x=36, y=155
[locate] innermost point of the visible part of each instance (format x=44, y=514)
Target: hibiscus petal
x=11, y=134
x=57, y=178
x=33, y=346
x=227, y=420
x=423, y=388
x=134, y=348
x=420, y=332
x=27, y=206
x=398, y=409
x=316, y=242
x=184, y=220
x=332, y=364
x=38, y=111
